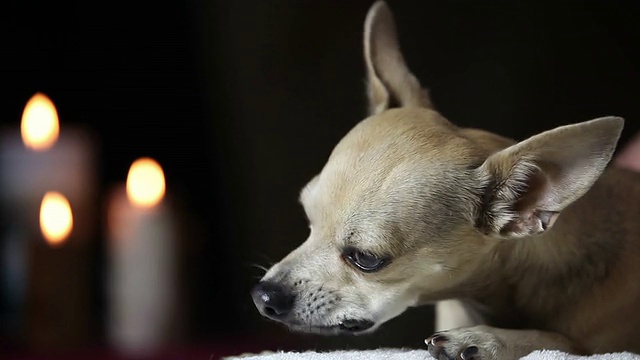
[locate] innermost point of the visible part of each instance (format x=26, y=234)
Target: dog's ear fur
x=525, y=186
x=389, y=81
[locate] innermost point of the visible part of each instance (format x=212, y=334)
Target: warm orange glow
x=145, y=183
x=39, y=126
x=56, y=219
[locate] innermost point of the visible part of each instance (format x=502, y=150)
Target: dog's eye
x=364, y=261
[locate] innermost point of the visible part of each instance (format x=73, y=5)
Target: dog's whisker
x=261, y=267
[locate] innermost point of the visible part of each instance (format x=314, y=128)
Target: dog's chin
x=347, y=327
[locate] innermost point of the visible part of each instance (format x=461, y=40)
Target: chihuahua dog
x=523, y=245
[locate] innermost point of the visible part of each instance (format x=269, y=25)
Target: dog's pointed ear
x=525, y=186
x=389, y=81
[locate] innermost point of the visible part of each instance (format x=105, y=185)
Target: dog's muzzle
x=276, y=302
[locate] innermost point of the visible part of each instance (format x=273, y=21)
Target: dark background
x=242, y=101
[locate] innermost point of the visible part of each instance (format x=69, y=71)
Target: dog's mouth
x=345, y=327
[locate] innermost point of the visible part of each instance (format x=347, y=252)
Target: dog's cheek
x=391, y=302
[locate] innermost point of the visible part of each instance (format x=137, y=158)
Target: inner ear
x=528, y=216
x=513, y=203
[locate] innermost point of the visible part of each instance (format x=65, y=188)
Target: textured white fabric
x=557, y=355
x=400, y=354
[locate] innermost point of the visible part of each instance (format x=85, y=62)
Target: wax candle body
x=143, y=265
x=68, y=167
x=25, y=176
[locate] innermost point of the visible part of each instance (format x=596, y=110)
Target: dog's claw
x=435, y=344
x=469, y=353
x=435, y=340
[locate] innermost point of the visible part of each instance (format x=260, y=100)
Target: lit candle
x=56, y=218
x=57, y=302
x=142, y=244
x=38, y=157
x=45, y=158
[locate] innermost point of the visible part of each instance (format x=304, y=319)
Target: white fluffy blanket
x=399, y=354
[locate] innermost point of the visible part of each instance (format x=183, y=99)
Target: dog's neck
x=570, y=258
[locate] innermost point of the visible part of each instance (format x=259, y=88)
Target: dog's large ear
x=525, y=186
x=389, y=81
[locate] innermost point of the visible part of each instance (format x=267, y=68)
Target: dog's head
x=408, y=203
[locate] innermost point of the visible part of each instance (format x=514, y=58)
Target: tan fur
x=535, y=242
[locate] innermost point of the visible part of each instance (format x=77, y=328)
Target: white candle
x=41, y=161
x=142, y=250
x=35, y=159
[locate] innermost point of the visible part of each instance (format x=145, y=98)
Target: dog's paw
x=465, y=344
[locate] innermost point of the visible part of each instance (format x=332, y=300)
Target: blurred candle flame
x=56, y=219
x=40, y=126
x=145, y=183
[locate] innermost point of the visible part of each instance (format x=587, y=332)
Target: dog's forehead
x=397, y=134
x=397, y=146
x=387, y=166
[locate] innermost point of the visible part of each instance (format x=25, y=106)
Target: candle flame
x=145, y=183
x=40, y=126
x=56, y=219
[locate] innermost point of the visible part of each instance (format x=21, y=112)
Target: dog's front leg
x=451, y=314
x=489, y=343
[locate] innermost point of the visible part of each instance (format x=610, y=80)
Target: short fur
x=525, y=245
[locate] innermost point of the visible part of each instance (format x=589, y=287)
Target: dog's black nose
x=272, y=299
